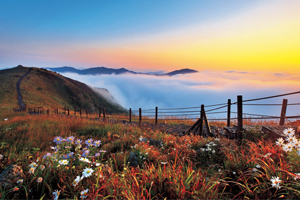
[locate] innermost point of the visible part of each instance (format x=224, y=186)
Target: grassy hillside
x=43, y=88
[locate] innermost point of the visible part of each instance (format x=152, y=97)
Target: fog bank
x=191, y=90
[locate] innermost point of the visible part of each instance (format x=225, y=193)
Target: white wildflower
x=288, y=147
x=20, y=181
x=33, y=165
x=280, y=141
x=291, y=139
x=297, y=144
x=83, y=193
x=87, y=172
x=63, y=162
x=77, y=180
x=275, y=182
x=31, y=170
x=56, y=194
x=39, y=180
x=85, y=160
x=289, y=132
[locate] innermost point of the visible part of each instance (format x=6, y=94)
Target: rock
x=133, y=160
x=10, y=176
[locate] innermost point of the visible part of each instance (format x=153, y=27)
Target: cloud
x=192, y=90
x=237, y=72
x=105, y=94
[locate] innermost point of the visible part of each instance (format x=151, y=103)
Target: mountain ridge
x=109, y=71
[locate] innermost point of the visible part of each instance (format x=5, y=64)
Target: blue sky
x=107, y=19
x=46, y=33
x=258, y=38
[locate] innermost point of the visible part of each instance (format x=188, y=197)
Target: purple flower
x=89, y=142
x=97, y=154
x=58, y=140
x=70, y=155
x=70, y=139
x=97, y=143
x=103, y=151
x=47, y=155
x=78, y=141
x=85, y=153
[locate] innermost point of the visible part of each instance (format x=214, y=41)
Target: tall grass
x=188, y=167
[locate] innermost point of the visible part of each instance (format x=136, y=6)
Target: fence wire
x=189, y=112
x=269, y=97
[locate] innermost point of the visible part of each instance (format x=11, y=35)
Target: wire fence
x=187, y=113
x=191, y=113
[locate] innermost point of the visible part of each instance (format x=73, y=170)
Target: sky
x=152, y=35
x=249, y=48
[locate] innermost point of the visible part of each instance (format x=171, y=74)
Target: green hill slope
x=43, y=88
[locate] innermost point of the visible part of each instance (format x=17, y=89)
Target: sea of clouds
x=192, y=90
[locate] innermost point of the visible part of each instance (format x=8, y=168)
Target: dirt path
x=20, y=99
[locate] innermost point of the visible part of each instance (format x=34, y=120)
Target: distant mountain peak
x=182, y=71
x=109, y=71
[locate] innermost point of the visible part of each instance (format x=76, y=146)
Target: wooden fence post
x=283, y=111
x=80, y=112
x=240, y=116
x=87, y=114
x=201, y=120
x=48, y=112
x=156, y=111
x=140, y=116
x=75, y=111
x=129, y=115
x=207, y=124
x=228, y=112
x=68, y=111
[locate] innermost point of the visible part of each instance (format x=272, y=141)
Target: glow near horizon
x=256, y=36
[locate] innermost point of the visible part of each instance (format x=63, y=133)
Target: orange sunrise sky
x=152, y=35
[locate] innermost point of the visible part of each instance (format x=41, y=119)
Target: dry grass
x=177, y=169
